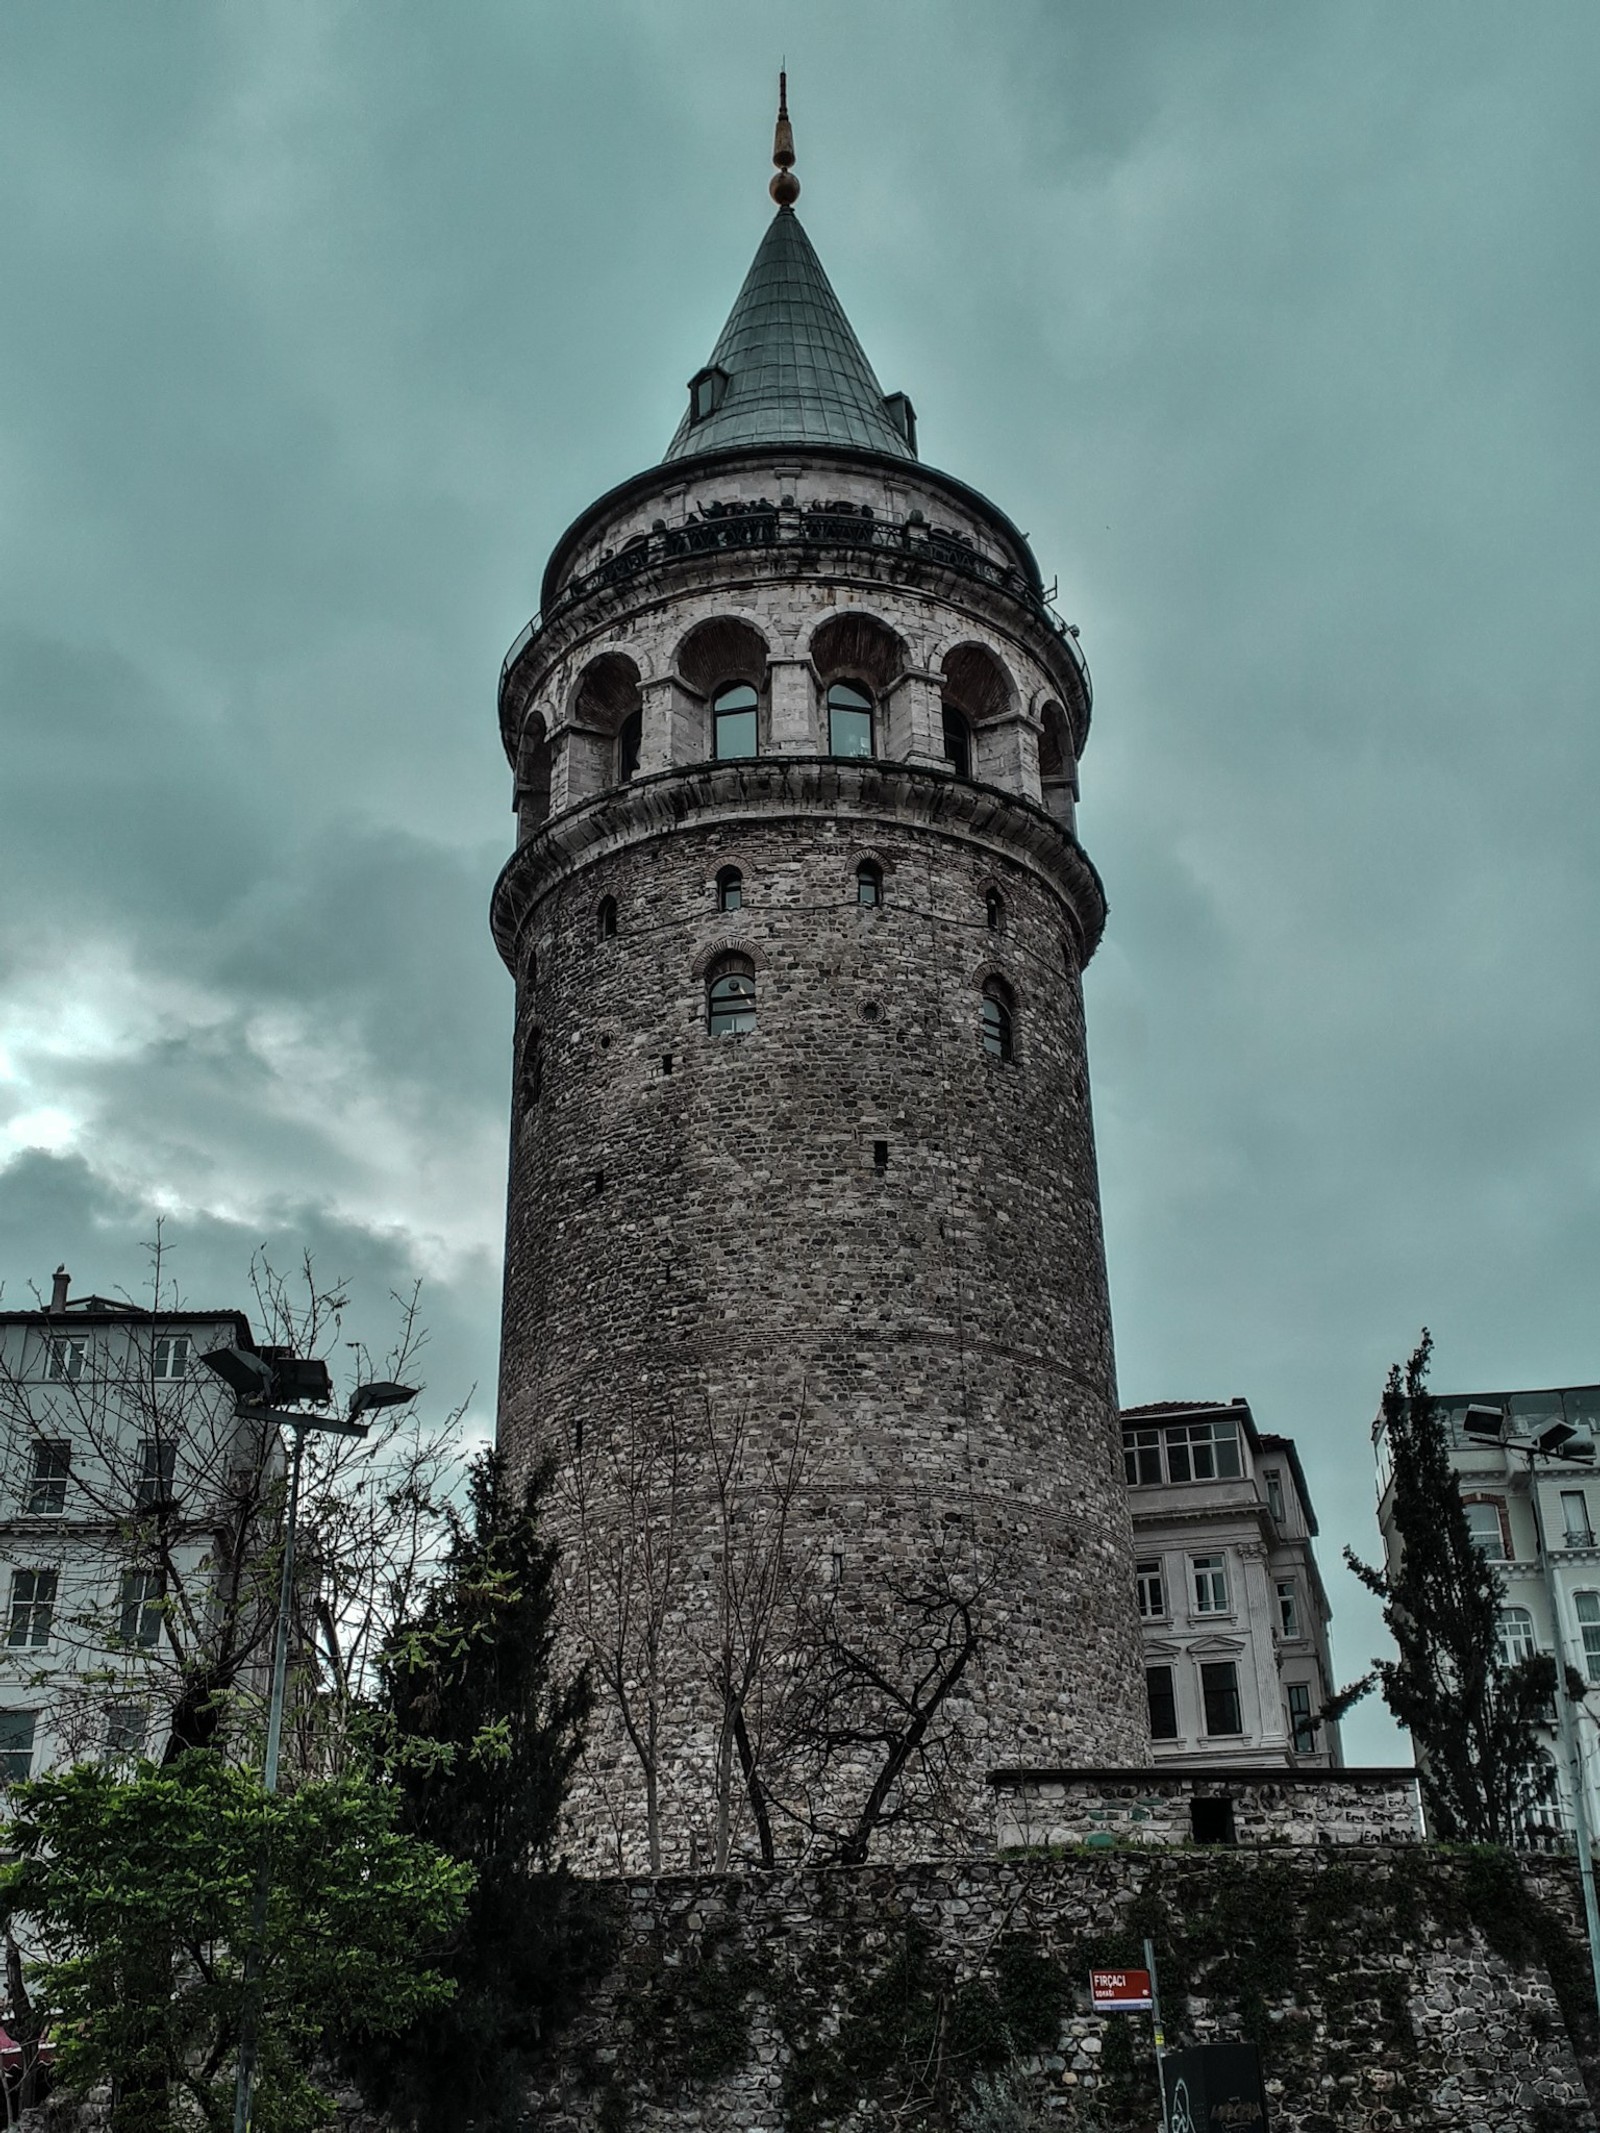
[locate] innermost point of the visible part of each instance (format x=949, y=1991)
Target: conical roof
x=796, y=374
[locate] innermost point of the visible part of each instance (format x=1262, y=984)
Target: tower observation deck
x=805, y=1294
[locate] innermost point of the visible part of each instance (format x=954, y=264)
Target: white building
x=1231, y=1603
x=128, y=1494
x=1496, y=1486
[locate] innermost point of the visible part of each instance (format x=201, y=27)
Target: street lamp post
x=258, y=1380
x=1487, y=1425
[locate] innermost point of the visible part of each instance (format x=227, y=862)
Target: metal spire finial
x=785, y=187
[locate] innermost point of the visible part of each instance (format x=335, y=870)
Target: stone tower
x=805, y=1291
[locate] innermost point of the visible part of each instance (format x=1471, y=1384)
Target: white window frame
x=1286, y=1593
x=1208, y=1578
x=172, y=1349
x=1151, y=1583
x=31, y=1618
x=1273, y=1480
x=1515, y=1636
x=1586, y=1606
x=1493, y=1505
x=1576, y=1536
x=47, y=1492
x=65, y=1359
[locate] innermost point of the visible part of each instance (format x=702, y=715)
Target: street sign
x=1120, y=1991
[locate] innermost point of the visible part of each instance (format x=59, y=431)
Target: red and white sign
x=1120, y=1991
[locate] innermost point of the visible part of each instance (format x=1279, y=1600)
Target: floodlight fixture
x=1552, y=1439
x=1486, y=1424
x=382, y=1392
x=248, y=1375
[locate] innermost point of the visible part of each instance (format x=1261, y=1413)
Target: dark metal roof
x=796, y=374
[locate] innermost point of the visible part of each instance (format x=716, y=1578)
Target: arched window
x=849, y=719
x=605, y=918
x=1515, y=1636
x=730, y=889
x=629, y=735
x=957, y=742
x=869, y=882
x=733, y=722
x=994, y=911
x=996, y=1018
x=731, y=996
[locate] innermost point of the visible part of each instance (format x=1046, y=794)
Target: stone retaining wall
x=1396, y=1987
x=1103, y=1808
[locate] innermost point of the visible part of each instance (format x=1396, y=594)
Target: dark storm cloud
x=1276, y=328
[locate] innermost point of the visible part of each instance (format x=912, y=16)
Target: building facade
x=120, y=1462
x=805, y=1290
x=1498, y=1489
x=1231, y=1603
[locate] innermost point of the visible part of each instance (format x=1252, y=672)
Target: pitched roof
x=796, y=374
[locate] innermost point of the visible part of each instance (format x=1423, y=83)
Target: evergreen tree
x=479, y=1730
x=1474, y=1719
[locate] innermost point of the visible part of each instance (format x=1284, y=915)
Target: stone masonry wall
x=1398, y=1989
x=1101, y=1808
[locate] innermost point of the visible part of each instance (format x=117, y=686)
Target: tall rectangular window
x=1302, y=1725
x=33, y=1607
x=1288, y=1607
x=1274, y=1481
x=1210, y=1584
x=1219, y=1693
x=141, y=1608
x=1152, y=1596
x=1141, y=1454
x=1163, y=1702
x=127, y=1727
x=16, y=1745
x=171, y=1355
x=157, y=1458
x=65, y=1361
x=47, y=1484
x=1575, y=1519
x=1488, y=1534
x=1587, y=1605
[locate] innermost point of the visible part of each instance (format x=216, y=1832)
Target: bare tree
x=879, y=1668
x=626, y=1493
x=167, y=1513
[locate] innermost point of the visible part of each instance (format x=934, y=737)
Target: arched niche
x=978, y=689
x=856, y=653
x=534, y=760
x=716, y=655
x=603, y=726
x=1058, y=771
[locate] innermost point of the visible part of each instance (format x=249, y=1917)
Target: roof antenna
x=785, y=187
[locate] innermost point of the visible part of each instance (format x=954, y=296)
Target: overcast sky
x=1274, y=325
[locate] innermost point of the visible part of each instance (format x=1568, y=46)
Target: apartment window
x=1575, y=1519
x=1163, y=1702
x=127, y=1727
x=1210, y=1584
x=1514, y=1636
x=47, y=1485
x=1487, y=1530
x=1274, y=1481
x=1219, y=1695
x=141, y=1608
x=1182, y=1451
x=65, y=1361
x=1288, y=1607
x=157, y=1458
x=1302, y=1722
x=16, y=1745
x=172, y=1355
x=33, y=1606
x=1587, y=1606
x=1152, y=1597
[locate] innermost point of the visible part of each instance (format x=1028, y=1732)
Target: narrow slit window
x=957, y=742
x=605, y=918
x=997, y=1020
x=733, y=722
x=630, y=737
x=730, y=890
x=869, y=882
x=994, y=911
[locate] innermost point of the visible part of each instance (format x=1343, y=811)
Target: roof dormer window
x=706, y=389
x=904, y=417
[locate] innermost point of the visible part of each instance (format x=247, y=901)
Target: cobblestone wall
x=1396, y=1989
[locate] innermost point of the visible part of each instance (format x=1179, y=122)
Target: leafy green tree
x=139, y=1895
x=478, y=1729
x=1475, y=1720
